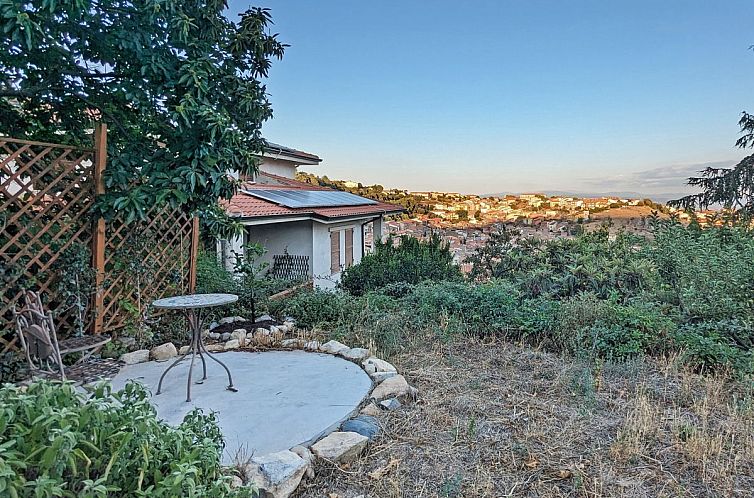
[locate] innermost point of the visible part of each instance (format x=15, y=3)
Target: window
x=334, y=252
x=349, y=247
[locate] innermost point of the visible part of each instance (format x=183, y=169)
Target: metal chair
x=44, y=354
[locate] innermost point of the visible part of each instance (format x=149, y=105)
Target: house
x=308, y=231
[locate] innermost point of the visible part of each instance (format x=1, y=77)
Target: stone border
x=277, y=475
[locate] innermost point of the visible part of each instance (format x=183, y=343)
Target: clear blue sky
x=496, y=96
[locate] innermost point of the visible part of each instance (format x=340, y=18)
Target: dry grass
x=495, y=420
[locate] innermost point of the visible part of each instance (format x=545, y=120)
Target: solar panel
x=309, y=198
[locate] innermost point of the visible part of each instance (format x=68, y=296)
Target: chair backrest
x=36, y=331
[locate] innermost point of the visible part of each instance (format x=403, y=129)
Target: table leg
x=159, y=385
x=230, y=378
x=197, y=347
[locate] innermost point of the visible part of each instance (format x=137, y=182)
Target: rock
x=312, y=345
x=163, y=352
x=265, y=318
x=237, y=482
x=240, y=335
x=390, y=404
x=291, y=343
x=276, y=475
x=307, y=456
x=371, y=409
x=334, y=347
x=340, y=447
x=225, y=336
x=355, y=354
x=261, y=331
x=227, y=319
x=380, y=376
x=374, y=365
x=282, y=329
x=134, y=357
x=274, y=330
x=213, y=325
x=213, y=335
x=394, y=387
x=184, y=349
x=232, y=344
x=214, y=348
x=366, y=425
x=239, y=319
x=291, y=325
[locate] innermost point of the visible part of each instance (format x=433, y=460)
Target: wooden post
x=194, y=254
x=98, y=239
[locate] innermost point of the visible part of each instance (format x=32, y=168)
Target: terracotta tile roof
x=247, y=206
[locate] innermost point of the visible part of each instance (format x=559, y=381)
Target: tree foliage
x=177, y=83
x=731, y=188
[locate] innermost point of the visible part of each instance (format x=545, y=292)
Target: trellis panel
x=46, y=193
x=144, y=261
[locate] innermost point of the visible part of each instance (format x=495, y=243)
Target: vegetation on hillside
x=686, y=289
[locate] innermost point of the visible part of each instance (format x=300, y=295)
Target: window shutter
x=334, y=252
x=349, y=247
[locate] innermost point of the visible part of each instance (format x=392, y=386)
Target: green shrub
x=711, y=345
x=211, y=275
x=610, y=329
x=314, y=308
x=481, y=309
x=55, y=441
x=410, y=261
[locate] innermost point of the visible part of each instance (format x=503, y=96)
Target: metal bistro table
x=192, y=305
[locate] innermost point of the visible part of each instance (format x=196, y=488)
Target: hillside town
x=465, y=221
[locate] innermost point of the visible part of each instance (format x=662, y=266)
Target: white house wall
x=278, y=167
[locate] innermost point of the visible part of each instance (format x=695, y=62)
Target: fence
x=290, y=266
x=47, y=192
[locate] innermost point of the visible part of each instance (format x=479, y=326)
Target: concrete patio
x=284, y=398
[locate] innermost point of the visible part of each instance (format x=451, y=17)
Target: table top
x=191, y=301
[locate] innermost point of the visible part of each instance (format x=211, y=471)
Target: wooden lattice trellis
x=145, y=261
x=46, y=195
x=290, y=266
x=46, y=192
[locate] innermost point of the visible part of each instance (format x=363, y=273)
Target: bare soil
x=495, y=419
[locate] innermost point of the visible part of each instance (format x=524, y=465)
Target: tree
x=177, y=83
x=732, y=188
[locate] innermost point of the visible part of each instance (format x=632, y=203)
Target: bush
x=410, y=261
x=610, y=329
x=55, y=441
x=314, y=308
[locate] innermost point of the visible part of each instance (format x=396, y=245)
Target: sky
x=512, y=96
